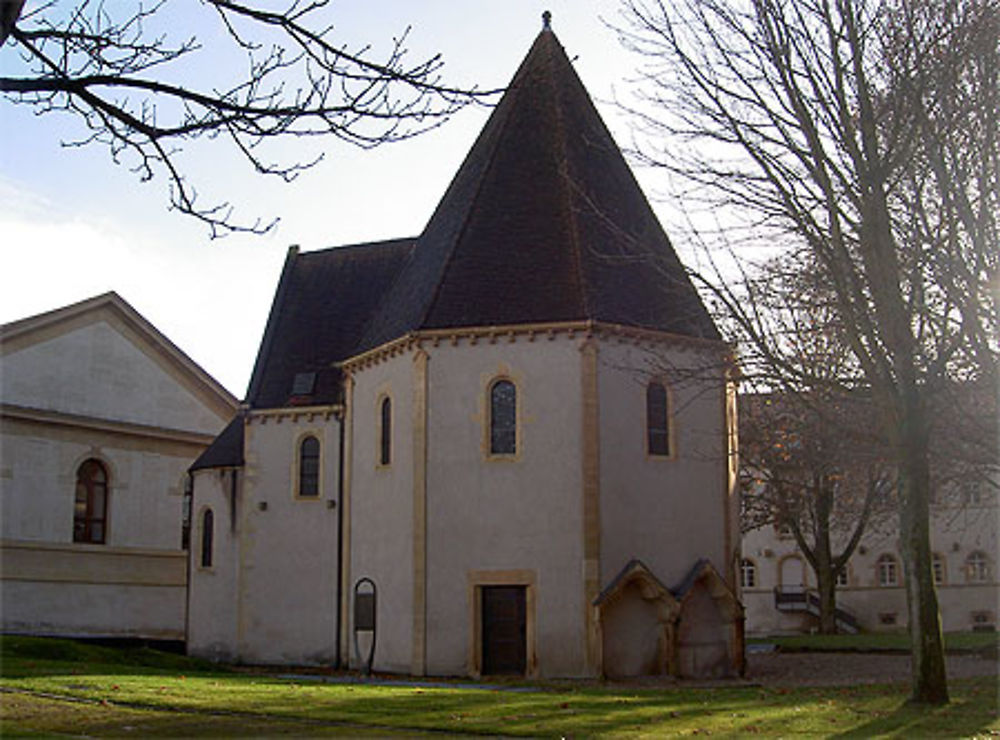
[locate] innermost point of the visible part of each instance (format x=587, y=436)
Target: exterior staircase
x=798, y=599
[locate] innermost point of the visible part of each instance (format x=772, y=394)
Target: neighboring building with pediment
x=101, y=417
x=518, y=425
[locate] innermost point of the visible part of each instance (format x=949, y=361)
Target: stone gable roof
x=43, y=327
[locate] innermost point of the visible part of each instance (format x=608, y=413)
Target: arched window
x=503, y=418
x=937, y=567
x=888, y=571
x=207, y=537
x=657, y=420
x=385, y=432
x=309, y=467
x=90, y=508
x=977, y=567
x=748, y=573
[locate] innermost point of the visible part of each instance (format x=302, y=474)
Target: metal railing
x=801, y=599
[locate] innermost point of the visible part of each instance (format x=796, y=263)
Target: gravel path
x=843, y=669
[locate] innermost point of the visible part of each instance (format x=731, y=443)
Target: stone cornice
x=81, y=547
x=294, y=413
x=111, y=426
x=531, y=332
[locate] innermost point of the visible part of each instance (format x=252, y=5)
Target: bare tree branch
x=856, y=140
x=114, y=74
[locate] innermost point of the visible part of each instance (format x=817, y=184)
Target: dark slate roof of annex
x=323, y=302
x=543, y=222
x=226, y=450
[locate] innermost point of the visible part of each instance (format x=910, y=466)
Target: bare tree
x=107, y=64
x=860, y=135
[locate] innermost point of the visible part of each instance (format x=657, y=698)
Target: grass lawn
x=868, y=641
x=54, y=686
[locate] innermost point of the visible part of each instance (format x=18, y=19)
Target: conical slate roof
x=543, y=222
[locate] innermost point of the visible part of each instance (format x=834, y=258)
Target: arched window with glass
x=309, y=467
x=503, y=418
x=657, y=420
x=90, y=508
x=207, y=537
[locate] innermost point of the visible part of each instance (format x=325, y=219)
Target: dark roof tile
x=226, y=450
x=544, y=221
x=323, y=301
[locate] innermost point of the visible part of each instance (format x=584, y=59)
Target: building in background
x=101, y=417
x=778, y=586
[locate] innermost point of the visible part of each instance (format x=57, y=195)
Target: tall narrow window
x=186, y=512
x=887, y=571
x=385, y=432
x=937, y=567
x=657, y=420
x=748, y=573
x=90, y=509
x=207, y=537
x=309, y=467
x=503, y=418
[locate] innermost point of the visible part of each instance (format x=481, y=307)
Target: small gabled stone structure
x=691, y=631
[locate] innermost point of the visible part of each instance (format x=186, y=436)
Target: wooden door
x=504, y=629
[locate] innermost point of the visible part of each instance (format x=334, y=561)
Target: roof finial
x=546, y=21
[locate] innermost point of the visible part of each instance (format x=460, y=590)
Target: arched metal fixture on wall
x=365, y=617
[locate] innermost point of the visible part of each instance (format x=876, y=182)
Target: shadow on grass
x=85, y=689
x=31, y=716
x=972, y=712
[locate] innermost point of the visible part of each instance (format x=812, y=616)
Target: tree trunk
x=827, y=586
x=825, y=581
x=930, y=685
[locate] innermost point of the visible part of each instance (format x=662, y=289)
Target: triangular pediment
x=100, y=358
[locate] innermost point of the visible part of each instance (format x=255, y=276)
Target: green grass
x=869, y=642
x=54, y=687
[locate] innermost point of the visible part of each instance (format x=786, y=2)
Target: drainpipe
x=340, y=539
x=232, y=499
x=189, y=486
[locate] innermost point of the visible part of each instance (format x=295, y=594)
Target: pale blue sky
x=74, y=225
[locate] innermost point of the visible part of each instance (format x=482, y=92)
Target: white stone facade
x=95, y=382
x=445, y=518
